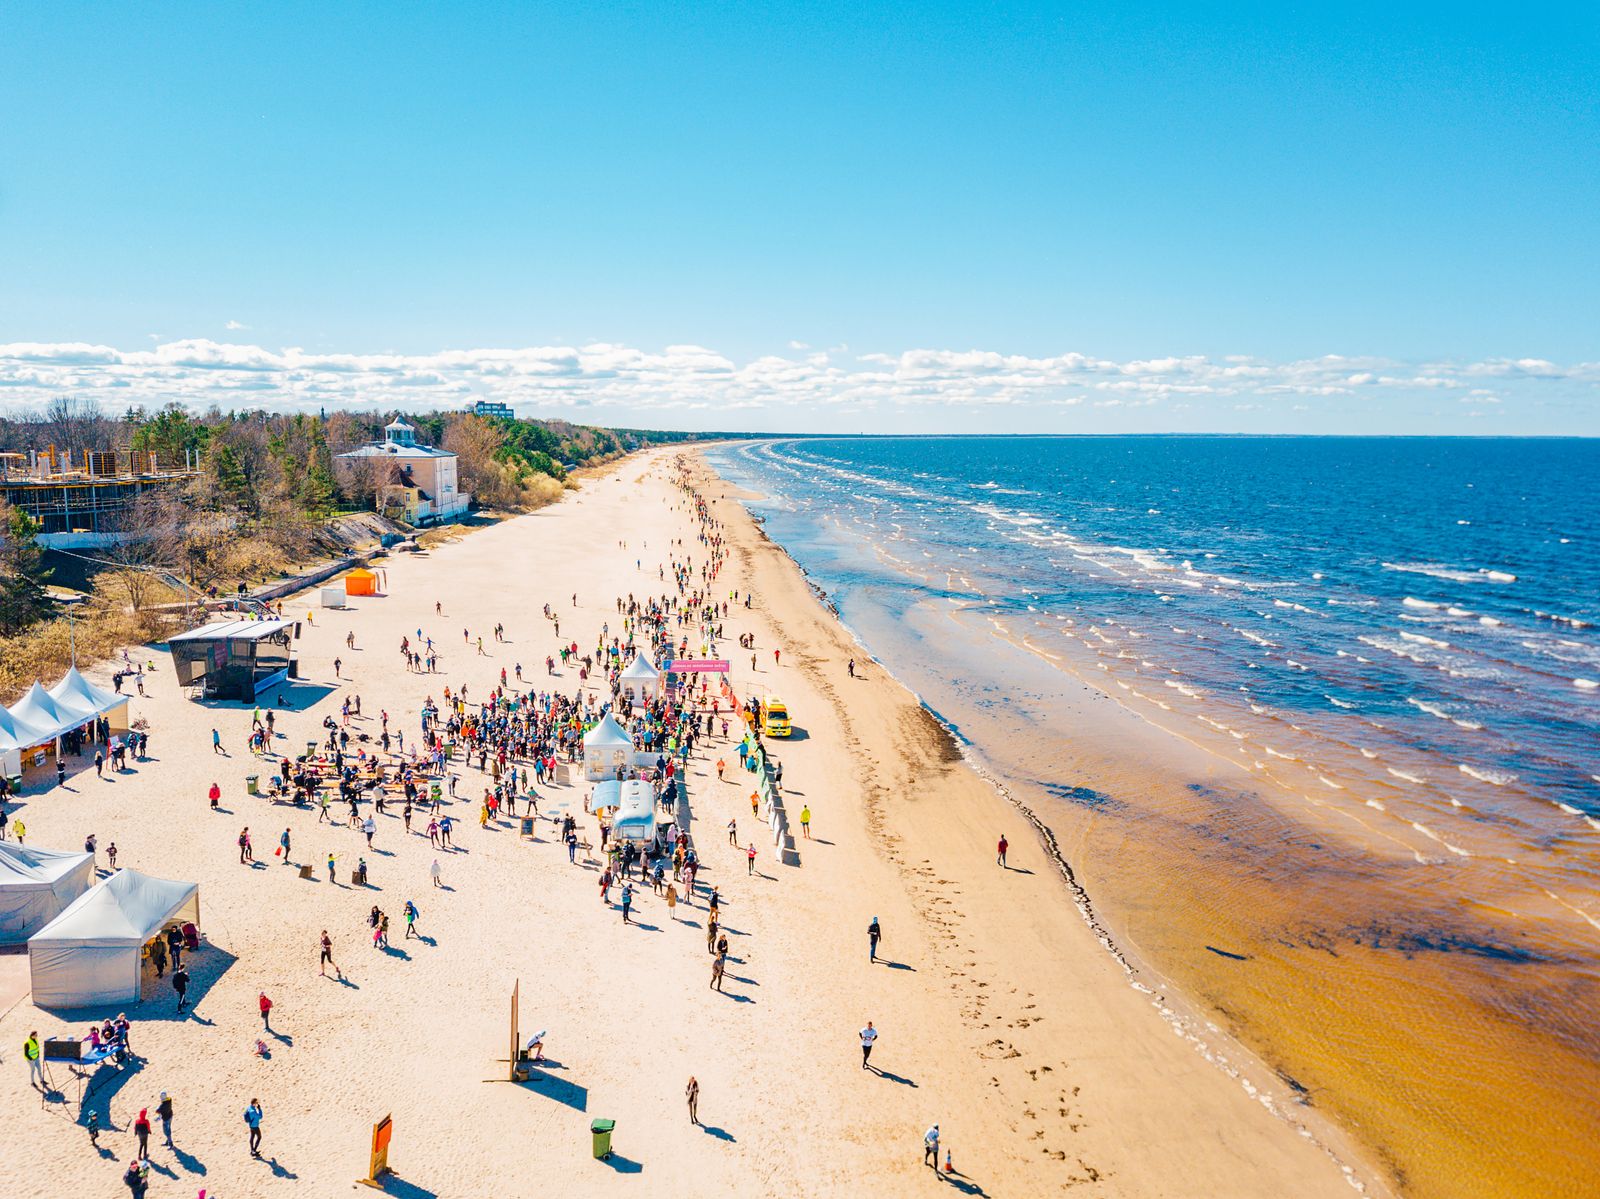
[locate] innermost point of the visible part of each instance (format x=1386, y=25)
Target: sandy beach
x=1003, y=1017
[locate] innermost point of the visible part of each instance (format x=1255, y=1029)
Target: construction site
x=79, y=499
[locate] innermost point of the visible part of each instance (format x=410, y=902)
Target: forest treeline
x=260, y=503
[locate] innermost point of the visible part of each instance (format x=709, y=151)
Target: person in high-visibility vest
x=34, y=1052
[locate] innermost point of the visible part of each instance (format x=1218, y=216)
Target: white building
x=420, y=484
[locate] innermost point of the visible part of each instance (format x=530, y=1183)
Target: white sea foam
x=1421, y=640
x=1454, y=574
x=1569, y=621
x=1338, y=703
x=1585, y=684
x=1485, y=775
x=1401, y=774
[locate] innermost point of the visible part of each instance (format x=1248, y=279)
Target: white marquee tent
x=36, y=886
x=90, y=953
x=41, y=716
x=78, y=694
x=16, y=736
x=607, y=749
x=640, y=679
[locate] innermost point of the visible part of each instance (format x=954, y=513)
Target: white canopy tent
x=640, y=679
x=15, y=737
x=90, y=953
x=607, y=749
x=76, y=693
x=40, y=716
x=36, y=886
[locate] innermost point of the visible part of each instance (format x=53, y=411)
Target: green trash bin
x=602, y=1137
x=252, y=784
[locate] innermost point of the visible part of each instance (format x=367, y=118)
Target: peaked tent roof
x=23, y=865
x=641, y=668
x=78, y=693
x=19, y=734
x=40, y=710
x=607, y=734
x=126, y=909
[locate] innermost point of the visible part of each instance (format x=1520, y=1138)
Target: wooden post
x=516, y=995
x=378, y=1163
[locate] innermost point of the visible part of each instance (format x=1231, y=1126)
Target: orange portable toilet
x=361, y=582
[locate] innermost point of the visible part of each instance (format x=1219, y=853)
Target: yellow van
x=775, y=718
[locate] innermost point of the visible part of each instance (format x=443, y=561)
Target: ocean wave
x=1338, y=703
x=1454, y=574
x=1571, y=622
x=1421, y=640
x=1585, y=684
x=1483, y=774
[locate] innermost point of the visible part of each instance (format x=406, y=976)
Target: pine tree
x=23, y=599
x=232, y=484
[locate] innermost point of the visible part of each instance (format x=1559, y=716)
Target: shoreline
x=1222, y=1053
x=1349, y=1007
x=1002, y=1017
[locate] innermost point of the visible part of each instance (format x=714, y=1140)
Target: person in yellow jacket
x=34, y=1052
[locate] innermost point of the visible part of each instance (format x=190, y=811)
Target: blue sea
x=1388, y=650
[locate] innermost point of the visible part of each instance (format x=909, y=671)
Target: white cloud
x=235, y=325
x=629, y=383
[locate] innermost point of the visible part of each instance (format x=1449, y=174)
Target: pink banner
x=698, y=665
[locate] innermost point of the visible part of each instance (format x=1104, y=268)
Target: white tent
x=607, y=749
x=76, y=694
x=41, y=716
x=15, y=736
x=90, y=953
x=36, y=886
x=640, y=679
x=39, y=709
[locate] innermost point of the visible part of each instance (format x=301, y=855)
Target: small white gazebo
x=607, y=750
x=640, y=680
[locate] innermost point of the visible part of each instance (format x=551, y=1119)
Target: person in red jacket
x=266, y=1011
x=216, y=794
x=1004, y=844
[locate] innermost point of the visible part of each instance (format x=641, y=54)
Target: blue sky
x=779, y=216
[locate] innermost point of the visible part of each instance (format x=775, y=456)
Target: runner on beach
x=869, y=1037
x=327, y=957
